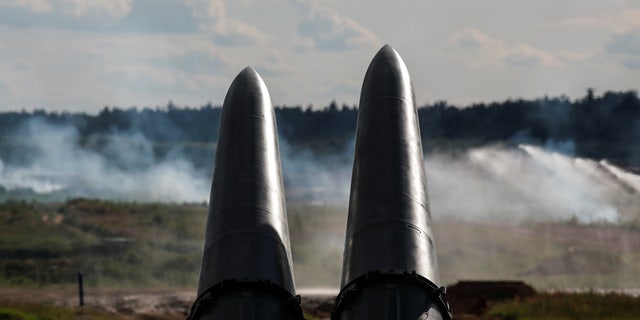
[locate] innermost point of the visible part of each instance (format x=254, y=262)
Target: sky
x=83, y=55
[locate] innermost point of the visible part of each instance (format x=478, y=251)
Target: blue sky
x=81, y=55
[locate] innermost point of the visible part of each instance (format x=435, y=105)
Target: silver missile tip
x=387, y=47
x=248, y=69
x=248, y=76
x=248, y=91
x=386, y=77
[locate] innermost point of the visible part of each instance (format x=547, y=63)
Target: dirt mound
x=475, y=297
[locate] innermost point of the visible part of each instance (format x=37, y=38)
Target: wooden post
x=80, y=290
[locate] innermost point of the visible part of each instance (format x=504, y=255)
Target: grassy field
x=555, y=306
x=159, y=245
x=145, y=245
x=568, y=306
x=562, y=255
x=113, y=244
x=49, y=312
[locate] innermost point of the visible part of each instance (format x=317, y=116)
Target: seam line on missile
x=378, y=222
x=268, y=213
x=250, y=231
x=362, y=107
x=248, y=115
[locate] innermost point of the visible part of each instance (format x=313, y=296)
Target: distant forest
x=600, y=127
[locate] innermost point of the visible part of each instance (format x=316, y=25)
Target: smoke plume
x=120, y=166
x=527, y=183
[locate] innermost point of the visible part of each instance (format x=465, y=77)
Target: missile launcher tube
x=246, y=268
x=390, y=269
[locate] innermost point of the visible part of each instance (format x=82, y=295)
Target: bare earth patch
x=143, y=303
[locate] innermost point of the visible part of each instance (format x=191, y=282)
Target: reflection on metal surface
x=246, y=265
x=390, y=266
x=390, y=269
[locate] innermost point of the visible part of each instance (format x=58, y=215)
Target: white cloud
x=479, y=50
x=190, y=50
x=77, y=8
x=194, y=61
x=119, y=16
x=114, y=8
x=472, y=39
x=172, y=67
x=214, y=9
x=232, y=32
x=58, y=69
x=590, y=22
x=574, y=57
x=226, y=31
x=5, y=88
x=623, y=45
x=144, y=78
x=38, y=6
x=625, y=48
x=624, y=21
x=325, y=29
x=274, y=65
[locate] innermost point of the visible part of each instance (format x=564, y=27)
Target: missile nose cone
x=248, y=75
x=388, y=181
x=386, y=77
x=389, y=261
x=248, y=93
x=246, y=261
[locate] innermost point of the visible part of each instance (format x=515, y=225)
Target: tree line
x=604, y=126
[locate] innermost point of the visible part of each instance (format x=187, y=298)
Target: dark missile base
x=389, y=270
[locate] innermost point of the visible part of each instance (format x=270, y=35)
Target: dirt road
x=137, y=303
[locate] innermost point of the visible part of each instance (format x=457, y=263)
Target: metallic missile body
x=246, y=268
x=389, y=268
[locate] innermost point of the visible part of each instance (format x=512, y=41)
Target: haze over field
x=506, y=204
x=125, y=169
x=525, y=183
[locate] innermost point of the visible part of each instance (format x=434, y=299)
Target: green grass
x=11, y=314
x=160, y=245
x=306, y=316
x=568, y=306
x=113, y=244
x=49, y=312
x=129, y=244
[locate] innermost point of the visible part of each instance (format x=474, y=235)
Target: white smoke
x=630, y=179
x=317, y=180
x=125, y=169
x=527, y=183
x=497, y=183
x=12, y=178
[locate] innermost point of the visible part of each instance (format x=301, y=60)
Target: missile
x=246, y=270
x=389, y=269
